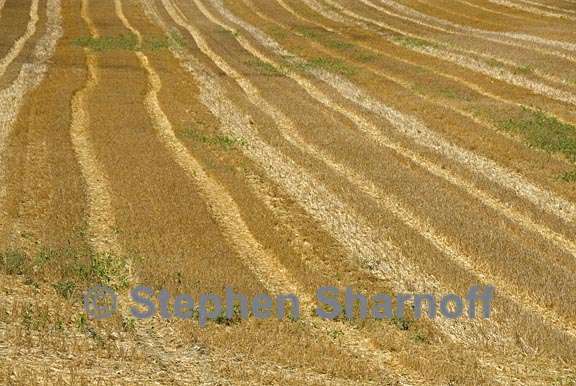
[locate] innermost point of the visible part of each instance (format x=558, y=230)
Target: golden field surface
x=278, y=146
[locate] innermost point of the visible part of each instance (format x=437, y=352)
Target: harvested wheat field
x=289, y=157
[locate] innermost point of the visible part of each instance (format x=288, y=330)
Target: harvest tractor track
x=279, y=146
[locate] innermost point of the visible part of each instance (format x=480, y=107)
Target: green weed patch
x=410, y=42
x=569, y=176
x=329, y=64
x=128, y=43
x=264, y=68
x=223, y=141
x=544, y=132
x=69, y=271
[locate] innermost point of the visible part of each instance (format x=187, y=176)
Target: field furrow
x=226, y=219
x=455, y=19
x=399, y=19
x=19, y=44
x=526, y=6
x=356, y=91
x=342, y=223
x=391, y=204
x=568, y=241
x=443, y=127
x=11, y=98
x=489, y=66
x=100, y=215
x=560, y=240
x=270, y=272
x=288, y=192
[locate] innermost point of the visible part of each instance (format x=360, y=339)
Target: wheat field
x=280, y=146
